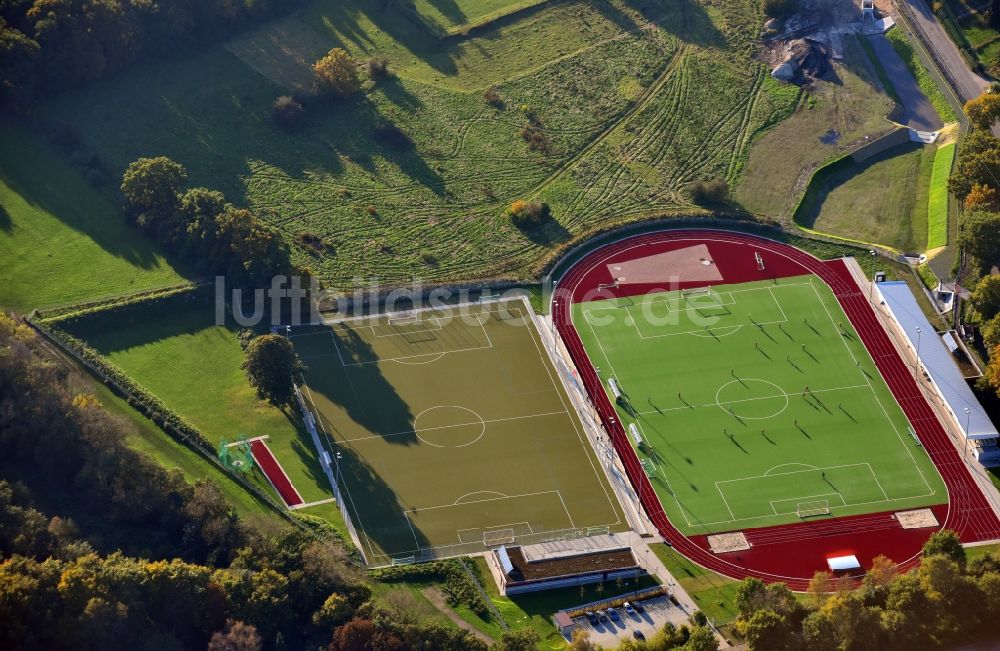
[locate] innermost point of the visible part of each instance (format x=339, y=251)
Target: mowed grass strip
x=937, y=200
x=61, y=240
x=459, y=15
x=193, y=366
x=751, y=411
x=451, y=427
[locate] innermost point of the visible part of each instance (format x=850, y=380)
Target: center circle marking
x=449, y=426
x=743, y=394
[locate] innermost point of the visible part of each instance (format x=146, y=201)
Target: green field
x=193, y=366
x=937, y=200
x=634, y=103
x=757, y=403
x=453, y=16
x=883, y=200
x=61, y=240
x=452, y=429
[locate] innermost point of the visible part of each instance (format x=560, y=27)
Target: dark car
x=591, y=617
x=638, y=635
x=638, y=608
x=613, y=614
x=601, y=616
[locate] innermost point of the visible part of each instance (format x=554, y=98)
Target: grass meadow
x=61, y=240
x=883, y=200
x=193, y=366
x=634, y=104
x=937, y=198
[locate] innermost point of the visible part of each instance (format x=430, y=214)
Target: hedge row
x=457, y=586
x=62, y=312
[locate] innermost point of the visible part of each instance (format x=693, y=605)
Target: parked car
x=591, y=617
x=638, y=608
x=638, y=635
x=602, y=616
x=627, y=607
x=613, y=614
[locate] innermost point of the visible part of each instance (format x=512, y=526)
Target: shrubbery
x=336, y=73
x=528, y=214
x=780, y=9
x=712, y=192
x=287, y=111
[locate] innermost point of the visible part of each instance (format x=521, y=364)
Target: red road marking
x=793, y=552
x=275, y=473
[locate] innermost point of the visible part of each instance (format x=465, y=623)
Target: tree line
x=976, y=183
x=945, y=602
x=199, y=226
x=47, y=46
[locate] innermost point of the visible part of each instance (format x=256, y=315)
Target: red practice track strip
x=275, y=473
x=794, y=552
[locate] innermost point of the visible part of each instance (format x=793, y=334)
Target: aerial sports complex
x=765, y=412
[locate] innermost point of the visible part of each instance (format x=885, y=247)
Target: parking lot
x=657, y=612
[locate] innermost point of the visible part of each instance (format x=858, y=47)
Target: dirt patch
x=283, y=51
x=917, y=519
x=728, y=542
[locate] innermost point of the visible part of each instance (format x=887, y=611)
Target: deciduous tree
x=337, y=73
x=270, y=364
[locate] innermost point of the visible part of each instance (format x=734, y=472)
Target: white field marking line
x=448, y=311
x=478, y=492
x=571, y=523
x=256, y=438
x=375, y=333
x=878, y=401
x=607, y=304
x=574, y=417
x=778, y=303
x=699, y=333
x=412, y=531
x=484, y=530
x=436, y=357
x=700, y=526
x=316, y=503
x=347, y=373
x=350, y=498
x=430, y=429
x=488, y=499
x=725, y=501
x=791, y=463
x=792, y=472
x=552, y=533
x=805, y=497
x=401, y=359
x=728, y=402
x=287, y=478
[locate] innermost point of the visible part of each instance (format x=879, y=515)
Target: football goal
x=812, y=509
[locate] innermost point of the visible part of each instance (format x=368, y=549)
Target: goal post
x=498, y=537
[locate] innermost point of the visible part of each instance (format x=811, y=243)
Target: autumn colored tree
x=982, y=197
x=151, y=187
x=984, y=110
x=980, y=237
x=337, y=73
x=986, y=296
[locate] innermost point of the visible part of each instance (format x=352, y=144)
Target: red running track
x=794, y=552
x=275, y=473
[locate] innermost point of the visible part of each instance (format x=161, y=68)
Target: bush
x=377, y=68
x=528, y=214
x=780, y=9
x=492, y=97
x=710, y=192
x=286, y=111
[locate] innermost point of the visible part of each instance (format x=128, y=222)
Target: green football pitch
x=757, y=404
x=453, y=432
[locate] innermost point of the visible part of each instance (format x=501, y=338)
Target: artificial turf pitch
x=453, y=431
x=757, y=404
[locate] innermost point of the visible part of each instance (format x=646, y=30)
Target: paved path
x=435, y=597
x=918, y=112
x=967, y=84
